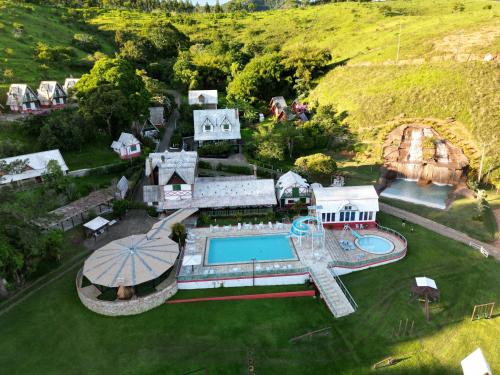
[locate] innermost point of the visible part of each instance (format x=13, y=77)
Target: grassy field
x=459, y=216
x=52, y=332
x=41, y=24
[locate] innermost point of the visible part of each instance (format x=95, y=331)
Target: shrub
x=221, y=149
x=204, y=165
x=85, y=42
x=45, y=53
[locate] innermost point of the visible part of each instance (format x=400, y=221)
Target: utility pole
x=399, y=44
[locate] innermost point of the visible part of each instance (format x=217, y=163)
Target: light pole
x=253, y=271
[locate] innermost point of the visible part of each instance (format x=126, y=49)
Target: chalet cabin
x=156, y=116
x=51, y=94
x=300, y=110
x=69, y=86
x=347, y=205
x=171, y=177
x=21, y=98
x=207, y=99
x=127, y=146
x=29, y=167
x=280, y=110
x=292, y=188
x=212, y=125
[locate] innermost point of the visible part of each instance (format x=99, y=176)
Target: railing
x=483, y=251
x=330, y=303
x=344, y=289
x=256, y=273
x=393, y=255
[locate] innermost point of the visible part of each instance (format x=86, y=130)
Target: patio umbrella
x=130, y=261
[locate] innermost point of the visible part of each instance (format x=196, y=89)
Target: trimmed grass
x=95, y=154
x=458, y=216
x=52, y=332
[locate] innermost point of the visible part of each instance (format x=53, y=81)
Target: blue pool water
x=374, y=244
x=431, y=195
x=244, y=249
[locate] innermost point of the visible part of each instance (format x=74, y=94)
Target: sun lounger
x=239, y=226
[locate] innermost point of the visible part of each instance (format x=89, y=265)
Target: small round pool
x=374, y=244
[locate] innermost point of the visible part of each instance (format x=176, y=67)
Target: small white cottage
x=21, y=98
x=127, y=146
x=51, y=94
x=206, y=98
x=69, y=84
x=351, y=205
x=211, y=125
x=292, y=188
x=30, y=167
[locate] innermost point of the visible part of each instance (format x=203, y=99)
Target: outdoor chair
x=239, y=226
x=270, y=225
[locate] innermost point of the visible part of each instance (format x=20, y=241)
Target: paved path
x=439, y=228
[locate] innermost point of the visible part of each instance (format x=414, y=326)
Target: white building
x=156, y=116
x=21, y=98
x=171, y=175
x=31, y=166
x=127, y=146
x=211, y=125
x=205, y=98
x=174, y=185
x=51, y=94
x=69, y=84
x=292, y=188
x=350, y=205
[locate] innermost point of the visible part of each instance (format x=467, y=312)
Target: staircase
x=332, y=294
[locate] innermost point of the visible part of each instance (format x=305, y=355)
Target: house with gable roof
x=21, y=98
x=213, y=125
x=207, y=99
x=51, y=94
x=69, y=85
x=292, y=188
x=127, y=146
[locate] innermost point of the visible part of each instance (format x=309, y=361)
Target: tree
x=270, y=150
x=206, y=9
x=290, y=134
x=112, y=94
x=179, y=233
x=317, y=166
x=217, y=7
x=55, y=177
x=166, y=38
x=258, y=81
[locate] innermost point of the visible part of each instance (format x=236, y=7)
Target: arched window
x=207, y=126
x=225, y=125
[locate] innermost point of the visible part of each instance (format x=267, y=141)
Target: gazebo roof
x=96, y=223
x=130, y=261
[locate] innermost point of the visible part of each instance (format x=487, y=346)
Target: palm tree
x=179, y=233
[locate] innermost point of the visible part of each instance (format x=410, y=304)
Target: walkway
x=439, y=228
x=317, y=261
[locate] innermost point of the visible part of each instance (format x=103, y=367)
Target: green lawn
x=94, y=154
x=459, y=216
x=52, y=332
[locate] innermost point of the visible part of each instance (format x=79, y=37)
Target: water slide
x=299, y=226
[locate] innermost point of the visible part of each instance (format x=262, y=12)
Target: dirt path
x=493, y=249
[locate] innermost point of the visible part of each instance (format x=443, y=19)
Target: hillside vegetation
x=22, y=26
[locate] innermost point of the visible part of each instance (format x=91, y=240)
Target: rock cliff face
x=417, y=152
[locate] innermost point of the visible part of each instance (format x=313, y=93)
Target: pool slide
x=299, y=228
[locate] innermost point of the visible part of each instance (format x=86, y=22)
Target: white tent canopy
x=476, y=364
x=96, y=224
x=130, y=261
x=425, y=282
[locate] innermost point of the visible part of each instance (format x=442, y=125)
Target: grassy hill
x=22, y=26
x=429, y=82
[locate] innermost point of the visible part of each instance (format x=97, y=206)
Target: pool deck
x=332, y=254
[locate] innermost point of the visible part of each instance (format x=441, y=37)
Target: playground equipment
x=309, y=227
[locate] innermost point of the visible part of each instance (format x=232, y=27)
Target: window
x=207, y=128
x=341, y=216
x=333, y=216
x=370, y=215
x=353, y=215
x=226, y=127
x=295, y=192
x=323, y=217
x=133, y=148
x=176, y=187
x=328, y=217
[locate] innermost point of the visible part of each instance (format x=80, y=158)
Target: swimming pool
x=245, y=248
x=374, y=244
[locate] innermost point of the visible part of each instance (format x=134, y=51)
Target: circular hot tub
x=374, y=244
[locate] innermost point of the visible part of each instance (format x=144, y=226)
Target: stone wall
x=136, y=305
